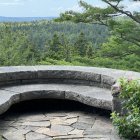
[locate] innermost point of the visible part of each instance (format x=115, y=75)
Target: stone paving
x=57, y=124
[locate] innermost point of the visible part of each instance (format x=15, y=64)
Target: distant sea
x=23, y=19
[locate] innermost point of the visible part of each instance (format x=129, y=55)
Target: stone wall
x=90, y=76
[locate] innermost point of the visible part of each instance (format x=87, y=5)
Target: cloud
x=22, y=0
x=133, y=6
x=17, y=0
x=10, y=3
x=76, y=8
x=13, y=2
x=60, y=8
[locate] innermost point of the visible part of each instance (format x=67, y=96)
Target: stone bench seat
x=88, y=85
x=93, y=96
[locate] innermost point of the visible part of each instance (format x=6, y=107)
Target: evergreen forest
x=72, y=40
x=50, y=43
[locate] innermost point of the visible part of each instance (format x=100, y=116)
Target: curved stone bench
x=92, y=96
x=88, y=85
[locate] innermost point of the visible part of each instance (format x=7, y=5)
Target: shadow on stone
x=53, y=105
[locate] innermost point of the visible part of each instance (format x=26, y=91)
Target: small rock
x=61, y=130
x=72, y=137
x=33, y=118
x=13, y=136
x=86, y=120
x=47, y=132
x=76, y=132
x=35, y=136
x=102, y=127
x=70, y=121
x=80, y=125
x=58, y=121
x=40, y=124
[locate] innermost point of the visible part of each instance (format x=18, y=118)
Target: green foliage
x=120, y=54
x=16, y=48
x=50, y=61
x=65, y=44
x=71, y=44
x=110, y=17
x=122, y=50
x=81, y=45
x=33, y=42
x=129, y=125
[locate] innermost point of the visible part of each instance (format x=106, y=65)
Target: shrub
x=128, y=125
x=50, y=61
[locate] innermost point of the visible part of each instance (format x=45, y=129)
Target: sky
x=48, y=8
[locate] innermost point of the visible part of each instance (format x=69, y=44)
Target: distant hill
x=23, y=19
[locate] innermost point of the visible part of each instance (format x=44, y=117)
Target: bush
x=128, y=125
x=50, y=61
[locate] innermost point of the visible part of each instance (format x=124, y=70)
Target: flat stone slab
x=93, y=96
x=98, y=70
x=36, y=124
x=101, y=77
x=36, y=136
x=100, y=129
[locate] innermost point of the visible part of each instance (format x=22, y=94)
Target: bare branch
x=128, y=13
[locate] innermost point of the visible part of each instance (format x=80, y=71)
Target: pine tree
x=66, y=48
x=89, y=50
x=81, y=45
x=55, y=47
